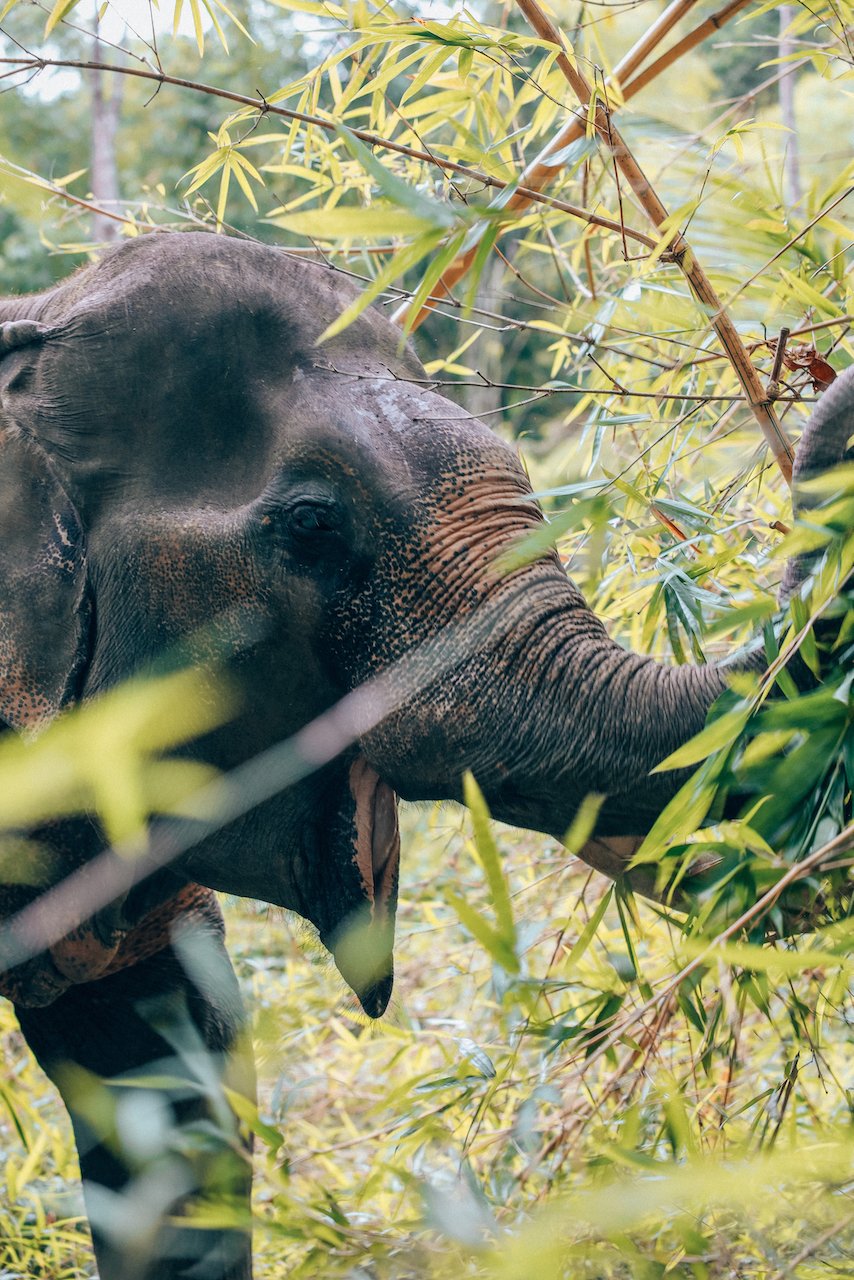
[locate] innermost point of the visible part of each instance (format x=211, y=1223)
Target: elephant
x=184, y=465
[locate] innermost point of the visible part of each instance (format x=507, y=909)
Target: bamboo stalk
x=543, y=168
x=700, y=284
x=688, y=42
x=653, y=37
x=330, y=126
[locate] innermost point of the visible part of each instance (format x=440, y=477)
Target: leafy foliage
x=573, y=1083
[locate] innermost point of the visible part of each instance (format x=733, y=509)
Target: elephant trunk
x=607, y=717
x=600, y=721
x=550, y=710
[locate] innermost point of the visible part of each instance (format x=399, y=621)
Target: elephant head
x=196, y=470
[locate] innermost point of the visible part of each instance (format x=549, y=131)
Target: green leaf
x=429, y=212
x=57, y=13
x=319, y=8
x=490, y=859
x=771, y=959
x=541, y=542
x=402, y=261
x=683, y=814
x=433, y=273
x=247, y=1111
x=581, y=828
x=353, y=224
x=490, y=939
x=720, y=733
x=588, y=932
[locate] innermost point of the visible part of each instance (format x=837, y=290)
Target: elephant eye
x=311, y=522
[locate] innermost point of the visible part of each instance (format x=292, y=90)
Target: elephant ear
x=44, y=606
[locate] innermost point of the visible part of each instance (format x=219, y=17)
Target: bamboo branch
x=547, y=165
x=688, y=42
x=330, y=126
x=700, y=284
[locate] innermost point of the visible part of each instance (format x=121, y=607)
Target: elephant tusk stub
x=363, y=948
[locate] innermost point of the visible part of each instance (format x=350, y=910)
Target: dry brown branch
x=700, y=284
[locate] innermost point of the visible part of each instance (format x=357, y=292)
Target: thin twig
x=779, y=352
x=331, y=126
x=763, y=342
x=545, y=389
x=813, y=1246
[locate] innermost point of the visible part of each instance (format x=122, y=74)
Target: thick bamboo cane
x=545, y=167
x=713, y=23
x=700, y=284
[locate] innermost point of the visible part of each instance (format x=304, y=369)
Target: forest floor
x=486, y=1126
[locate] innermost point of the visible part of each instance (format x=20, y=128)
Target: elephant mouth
x=362, y=939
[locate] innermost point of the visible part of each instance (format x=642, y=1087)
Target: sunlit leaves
x=229, y=162
x=107, y=757
x=499, y=938
x=59, y=11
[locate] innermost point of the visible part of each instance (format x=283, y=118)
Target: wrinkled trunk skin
x=563, y=712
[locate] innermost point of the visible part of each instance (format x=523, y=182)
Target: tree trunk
x=106, y=106
x=786, y=47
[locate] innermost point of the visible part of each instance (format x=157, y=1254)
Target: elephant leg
x=141, y=1058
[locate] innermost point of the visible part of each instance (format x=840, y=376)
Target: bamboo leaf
x=583, y=823
x=429, y=212
x=402, y=261
x=493, y=942
x=353, y=224
x=721, y=733
x=490, y=859
x=59, y=11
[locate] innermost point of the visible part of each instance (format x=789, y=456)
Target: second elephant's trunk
x=827, y=440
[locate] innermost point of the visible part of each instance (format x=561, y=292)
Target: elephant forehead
x=387, y=423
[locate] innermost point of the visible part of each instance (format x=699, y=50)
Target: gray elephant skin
x=180, y=459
